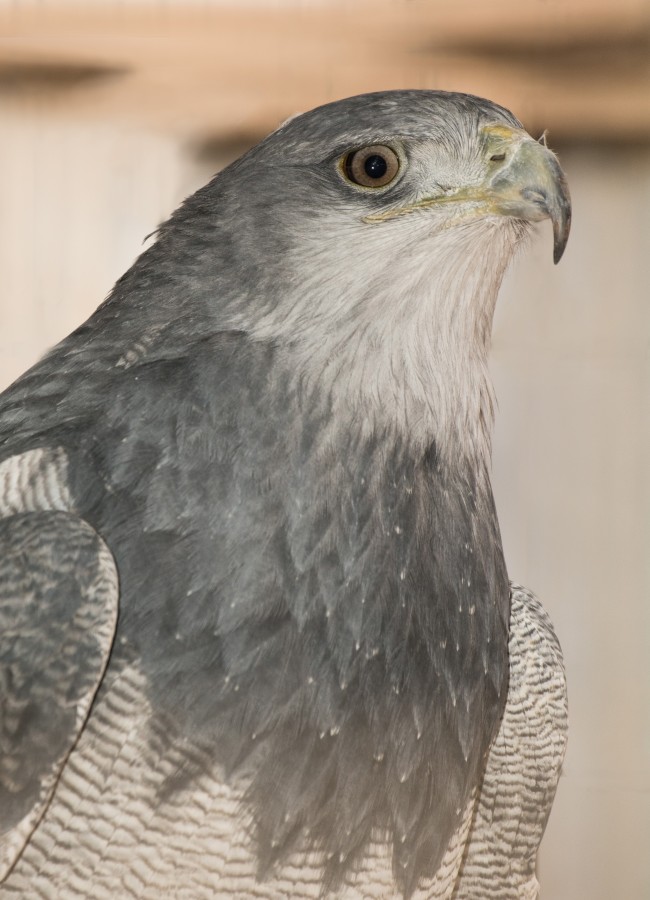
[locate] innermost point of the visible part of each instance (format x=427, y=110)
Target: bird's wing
x=58, y=610
x=524, y=764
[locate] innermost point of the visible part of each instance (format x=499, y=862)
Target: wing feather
x=524, y=764
x=58, y=611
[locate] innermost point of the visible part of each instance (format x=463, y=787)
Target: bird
x=257, y=635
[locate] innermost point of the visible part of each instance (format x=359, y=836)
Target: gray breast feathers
x=110, y=825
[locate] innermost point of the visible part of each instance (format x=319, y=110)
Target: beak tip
x=560, y=213
x=561, y=229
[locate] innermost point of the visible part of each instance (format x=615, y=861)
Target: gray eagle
x=257, y=638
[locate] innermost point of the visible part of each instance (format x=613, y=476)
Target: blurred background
x=111, y=111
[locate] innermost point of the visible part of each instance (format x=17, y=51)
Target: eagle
x=257, y=636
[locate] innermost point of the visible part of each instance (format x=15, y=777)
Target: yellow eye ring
x=371, y=167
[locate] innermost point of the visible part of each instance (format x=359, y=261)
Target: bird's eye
x=372, y=167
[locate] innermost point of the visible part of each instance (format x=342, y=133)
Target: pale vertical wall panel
x=78, y=201
x=572, y=372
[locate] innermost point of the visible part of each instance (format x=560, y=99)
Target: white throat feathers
x=398, y=335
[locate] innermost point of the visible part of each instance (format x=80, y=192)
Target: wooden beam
x=580, y=69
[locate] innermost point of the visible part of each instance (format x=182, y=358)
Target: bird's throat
x=406, y=348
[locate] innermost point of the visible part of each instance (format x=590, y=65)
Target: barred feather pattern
x=107, y=834
x=34, y=480
x=58, y=609
x=524, y=765
x=107, y=827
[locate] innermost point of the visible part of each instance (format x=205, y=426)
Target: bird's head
x=370, y=236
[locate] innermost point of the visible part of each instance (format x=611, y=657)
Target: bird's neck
x=418, y=364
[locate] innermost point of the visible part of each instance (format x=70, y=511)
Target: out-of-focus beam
x=464, y=21
x=580, y=69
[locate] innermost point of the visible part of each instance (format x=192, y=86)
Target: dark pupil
x=375, y=166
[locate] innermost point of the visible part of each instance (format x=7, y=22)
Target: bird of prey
x=257, y=638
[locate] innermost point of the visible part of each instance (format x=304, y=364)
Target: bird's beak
x=523, y=180
x=528, y=182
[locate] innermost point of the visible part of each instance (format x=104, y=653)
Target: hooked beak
x=523, y=180
x=530, y=184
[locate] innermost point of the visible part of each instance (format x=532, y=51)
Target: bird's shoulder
x=58, y=612
x=89, y=385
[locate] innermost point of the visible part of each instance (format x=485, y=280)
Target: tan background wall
x=91, y=163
